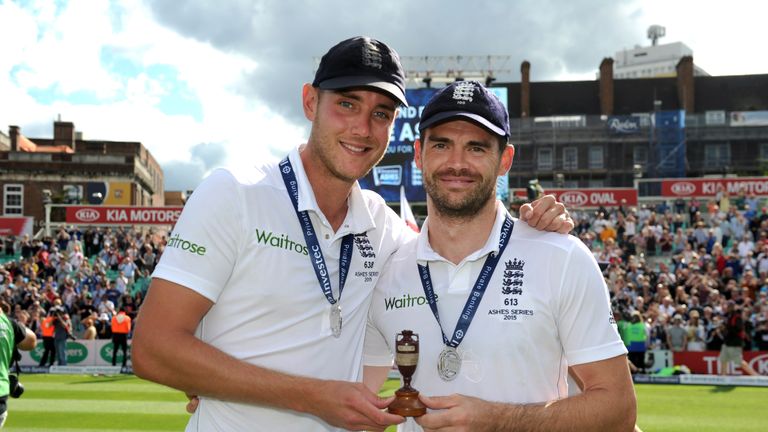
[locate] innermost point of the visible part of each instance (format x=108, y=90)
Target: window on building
x=596, y=157
x=13, y=199
x=640, y=155
x=544, y=159
x=596, y=183
x=570, y=158
x=763, y=152
x=717, y=155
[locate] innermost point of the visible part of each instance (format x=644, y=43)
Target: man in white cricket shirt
x=501, y=309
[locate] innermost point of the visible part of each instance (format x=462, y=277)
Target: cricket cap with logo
x=468, y=100
x=362, y=62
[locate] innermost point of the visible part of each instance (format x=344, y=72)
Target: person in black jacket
x=733, y=341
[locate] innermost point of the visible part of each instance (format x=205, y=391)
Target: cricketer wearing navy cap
x=362, y=62
x=506, y=309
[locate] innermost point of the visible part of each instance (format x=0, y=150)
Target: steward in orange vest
x=121, y=326
x=49, y=347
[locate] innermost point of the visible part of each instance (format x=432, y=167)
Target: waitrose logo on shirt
x=187, y=246
x=280, y=241
x=405, y=301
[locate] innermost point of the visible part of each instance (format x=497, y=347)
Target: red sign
x=123, y=215
x=706, y=362
x=581, y=198
x=689, y=187
x=15, y=226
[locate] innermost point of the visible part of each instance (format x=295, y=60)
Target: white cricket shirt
x=546, y=306
x=239, y=243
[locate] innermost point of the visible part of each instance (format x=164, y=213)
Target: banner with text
x=122, y=215
x=749, y=118
x=623, y=125
x=590, y=198
x=707, y=187
x=707, y=362
x=80, y=352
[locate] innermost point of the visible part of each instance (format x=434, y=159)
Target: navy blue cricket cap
x=468, y=99
x=362, y=62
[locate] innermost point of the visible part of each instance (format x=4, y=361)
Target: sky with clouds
x=218, y=82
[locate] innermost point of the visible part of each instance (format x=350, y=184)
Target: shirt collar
x=425, y=253
x=359, y=218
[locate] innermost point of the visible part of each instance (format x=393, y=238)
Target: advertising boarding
x=591, y=198
x=101, y=215
x=708, y=187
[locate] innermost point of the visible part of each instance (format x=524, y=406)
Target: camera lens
x=16, y=388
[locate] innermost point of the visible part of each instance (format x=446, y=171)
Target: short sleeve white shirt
x=239, y=243
x=546, y=307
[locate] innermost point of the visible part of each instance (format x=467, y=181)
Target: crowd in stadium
x=673, y=266
x=677, y=268
x=72, y=284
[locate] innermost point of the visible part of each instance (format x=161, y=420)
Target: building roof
x=26, y=145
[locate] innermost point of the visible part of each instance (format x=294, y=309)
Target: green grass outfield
x=78, y=403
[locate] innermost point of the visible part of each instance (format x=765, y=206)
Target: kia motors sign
x=689, y=187
x=122, y=215
x=591, y=198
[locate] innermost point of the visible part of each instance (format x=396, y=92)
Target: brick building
x=68, y=169
x=608, y=132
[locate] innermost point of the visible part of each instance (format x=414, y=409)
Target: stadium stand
x=86, y=275
x=675, y=266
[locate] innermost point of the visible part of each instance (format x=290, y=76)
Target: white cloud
x=45, y=50
x=725, y=38
x=67, y=51
x=67, y=55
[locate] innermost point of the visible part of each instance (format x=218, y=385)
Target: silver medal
x=336, y=320
x=448, y=364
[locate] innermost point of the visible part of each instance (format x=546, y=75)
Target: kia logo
x=683, y=188
x=760, y=364
x=86, y=215
x=574, y=198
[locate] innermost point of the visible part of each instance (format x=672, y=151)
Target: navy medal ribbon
x=313, y=246
x=473, y=302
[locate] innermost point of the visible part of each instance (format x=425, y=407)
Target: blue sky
x=210, y=83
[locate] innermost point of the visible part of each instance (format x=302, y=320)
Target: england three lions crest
x=512, y=282
x=364, y=246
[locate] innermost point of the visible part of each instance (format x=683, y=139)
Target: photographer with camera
x=13, y=336
x=62, y=331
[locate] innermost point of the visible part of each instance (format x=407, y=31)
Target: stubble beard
x=463, y=208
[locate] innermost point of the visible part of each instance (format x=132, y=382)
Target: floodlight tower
x=435, y=70
x=431, y=70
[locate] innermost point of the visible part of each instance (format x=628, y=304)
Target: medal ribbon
x=313, y=246
x=473, y=302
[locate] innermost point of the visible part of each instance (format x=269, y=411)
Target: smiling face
x=350, y=130
x=460, y=163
